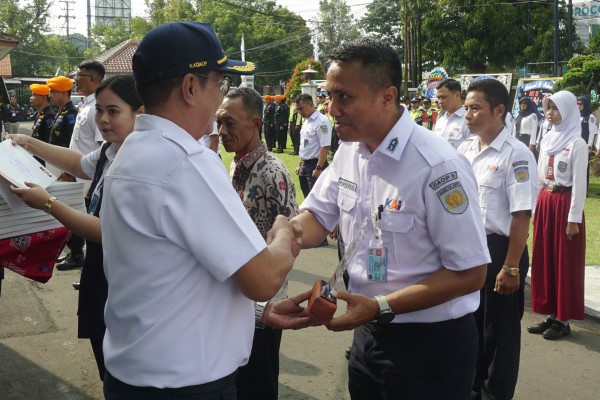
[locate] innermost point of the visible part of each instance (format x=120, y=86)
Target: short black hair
x=156, y=93
x=251, y=100
x=94, y=66
x=124, y=87
x=451, y=84
x=304, y=98
x=381, y=65
x=494, y=92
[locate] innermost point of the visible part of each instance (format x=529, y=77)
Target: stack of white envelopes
x=24, y=220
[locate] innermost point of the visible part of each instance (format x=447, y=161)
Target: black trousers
x=75, y=244
x=414, y=361
x=307, y=181
x=281, y=137
x=295, y=136
x=270, y=136
x=259, y=379
x=96, y=343
x=499, y=325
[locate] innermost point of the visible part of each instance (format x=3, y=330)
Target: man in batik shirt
x=266, y=189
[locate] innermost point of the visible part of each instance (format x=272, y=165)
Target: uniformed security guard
x=415, y=277
x=40, y=100
x=315, y=140
x=64, y=123
x=505, y=171
x=60, y=135
x=282, y=116
x=295, y=124
x=269, y=122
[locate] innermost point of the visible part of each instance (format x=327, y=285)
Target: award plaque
x=322, y=304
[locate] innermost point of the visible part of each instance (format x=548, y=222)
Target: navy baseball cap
x=179, y=48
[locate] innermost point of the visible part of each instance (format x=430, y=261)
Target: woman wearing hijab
x=526, y=124
x=557, y=269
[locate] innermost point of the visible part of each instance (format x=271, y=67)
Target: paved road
x=41, y=358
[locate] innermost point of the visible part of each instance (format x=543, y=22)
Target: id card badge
x=377, y=270
x=377, y=262
x=305, y=143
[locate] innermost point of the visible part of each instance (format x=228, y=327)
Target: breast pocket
x=347, y=201
x=397, y=231
x=489, y=191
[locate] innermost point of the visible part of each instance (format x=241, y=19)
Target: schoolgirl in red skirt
x=558, y=266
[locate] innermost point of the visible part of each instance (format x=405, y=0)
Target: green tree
x=336, y=25
x=582, y=77
x=293, y=86
x=28, y=24
x=382, y=21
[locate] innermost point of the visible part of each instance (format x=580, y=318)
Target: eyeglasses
x=579, y=104
x=224, y=82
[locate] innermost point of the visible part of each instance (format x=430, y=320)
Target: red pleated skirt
x=558, y=265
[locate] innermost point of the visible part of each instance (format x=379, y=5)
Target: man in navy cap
x=183, y=259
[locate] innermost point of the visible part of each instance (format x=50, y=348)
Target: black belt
x=208, y=387
x=558, y=189
x=309, y=161
x=375, y=327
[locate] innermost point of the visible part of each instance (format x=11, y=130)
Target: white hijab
x=568, y=129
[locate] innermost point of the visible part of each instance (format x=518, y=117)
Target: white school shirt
x=86, y=135
x=315, y=133
x=570, y=169
x=173, y=233
x=506, y=175
x=452, y=127
x=431, y=218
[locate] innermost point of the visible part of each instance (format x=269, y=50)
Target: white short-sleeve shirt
x=431, y=218
x=452, y=127
x=86, y=135
x=173, y=233
x=570, y=169
x=315, y=133
x=506, y=175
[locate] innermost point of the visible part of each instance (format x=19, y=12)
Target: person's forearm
x=517, y=240
x=438, y=288
x=63, y=158
x=323, y=156
x=313, y=232
x=81, y=224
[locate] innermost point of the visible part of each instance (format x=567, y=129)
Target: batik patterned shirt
x=266, y=189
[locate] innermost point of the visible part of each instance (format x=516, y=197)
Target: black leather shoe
x=556, y=331
x=294, y=153
x=63, y=258
x=76, y=285
x=347, y=352
x=277, y=151
x=540, y=328
x=72, y=262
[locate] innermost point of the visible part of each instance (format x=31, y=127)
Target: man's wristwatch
x=319, y=168
x=47, y=207
x=385, y=315
x=510, y=271
x=258, y=314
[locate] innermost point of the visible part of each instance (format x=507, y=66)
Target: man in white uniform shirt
x=182, y=257
x=315, y=140
x=451, y=125
x=86, y=138
x=505, y=171
x=415, y=278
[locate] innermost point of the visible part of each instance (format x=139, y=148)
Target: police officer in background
x=315, y=140
x=506, y=173
x=415, y=278
x=295, y=124
x=269, y=122
x=42, y=125
x=282, y=116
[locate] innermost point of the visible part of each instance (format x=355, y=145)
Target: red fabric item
x=34, y=255
x=558, y=264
